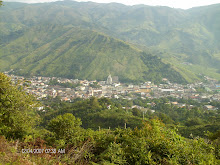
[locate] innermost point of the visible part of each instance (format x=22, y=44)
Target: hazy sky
x=184, y=4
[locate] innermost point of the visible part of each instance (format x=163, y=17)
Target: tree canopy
x=17, y=109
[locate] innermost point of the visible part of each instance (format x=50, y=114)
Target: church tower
x=109, y=80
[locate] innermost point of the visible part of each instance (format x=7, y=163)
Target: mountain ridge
x=83, y=54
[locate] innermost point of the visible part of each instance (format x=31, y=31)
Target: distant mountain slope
x=209, y=16
x=52, y=50
x=187, y=39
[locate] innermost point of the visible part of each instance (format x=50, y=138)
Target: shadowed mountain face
x=36, y=34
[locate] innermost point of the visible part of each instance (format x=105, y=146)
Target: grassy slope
x=52, y=50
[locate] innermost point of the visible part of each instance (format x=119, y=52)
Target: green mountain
x=186, y=39
x=66, y=51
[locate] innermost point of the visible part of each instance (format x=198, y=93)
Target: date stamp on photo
x=41, y=151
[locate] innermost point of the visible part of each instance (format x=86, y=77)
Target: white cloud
x=185, y=4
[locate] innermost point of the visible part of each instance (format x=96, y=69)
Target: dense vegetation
x=151, y=142
x=187, y=39
x=17, y=116
x=191, y=118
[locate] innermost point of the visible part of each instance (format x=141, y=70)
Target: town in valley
x=70, y=89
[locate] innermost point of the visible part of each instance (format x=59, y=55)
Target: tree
x=136, y=112
x=64, y=126
x=193, y=122
x=17, y=110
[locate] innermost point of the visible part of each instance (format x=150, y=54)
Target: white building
x=109, y=80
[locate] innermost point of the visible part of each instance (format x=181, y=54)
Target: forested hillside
x=187, y=39
x=66, y=51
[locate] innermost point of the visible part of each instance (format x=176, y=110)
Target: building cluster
x=112, y=88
